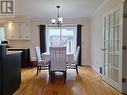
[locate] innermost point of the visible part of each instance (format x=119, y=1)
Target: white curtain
x=61, y=36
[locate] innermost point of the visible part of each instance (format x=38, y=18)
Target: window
x=2, y=34
x=61, y=36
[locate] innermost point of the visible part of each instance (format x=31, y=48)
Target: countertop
x=17, y=48
x=13, y=52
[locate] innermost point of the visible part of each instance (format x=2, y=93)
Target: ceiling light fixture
x=58, y=20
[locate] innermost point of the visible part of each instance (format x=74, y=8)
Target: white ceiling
x=47, y=8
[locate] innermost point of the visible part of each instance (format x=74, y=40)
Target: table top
x=68, y=53
x=69, y=57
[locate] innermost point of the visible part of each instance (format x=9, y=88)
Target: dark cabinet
x=10, y=71
x=25, y=56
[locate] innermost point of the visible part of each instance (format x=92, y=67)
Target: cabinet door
x=8, y=30
x=15, y=31
x=24, y=31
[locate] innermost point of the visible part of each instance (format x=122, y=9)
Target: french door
x=112, y=51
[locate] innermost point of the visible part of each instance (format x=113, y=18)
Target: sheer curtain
x=61, y=36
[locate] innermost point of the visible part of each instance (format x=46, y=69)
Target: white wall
x=35, y=37
x=97, y=33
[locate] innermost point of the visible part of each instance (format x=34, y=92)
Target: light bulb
x=60, y=19
x=53, y=21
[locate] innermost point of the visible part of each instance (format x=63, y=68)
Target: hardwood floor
x=87, y=83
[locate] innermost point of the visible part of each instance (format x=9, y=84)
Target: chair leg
x=49, y=70
x=51, y=76
x=77, y=69
x=65, y=76
x=37, y=70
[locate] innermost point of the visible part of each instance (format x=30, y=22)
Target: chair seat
x=42, y=63
x=58, y=69
x=71, y=65
x=73, y=62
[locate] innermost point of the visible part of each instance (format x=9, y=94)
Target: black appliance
x=5, y=42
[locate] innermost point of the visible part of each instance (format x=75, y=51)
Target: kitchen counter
x=17, y=48
x=25, y=55
x=10, y=71
x=13, y=52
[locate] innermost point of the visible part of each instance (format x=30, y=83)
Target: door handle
x=103, y=49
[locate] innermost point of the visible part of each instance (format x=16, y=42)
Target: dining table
x=69, y=57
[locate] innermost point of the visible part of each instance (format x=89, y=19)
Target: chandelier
x=58, y=20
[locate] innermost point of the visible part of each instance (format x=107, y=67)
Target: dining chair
x=58, y=61
x=74, y=64
x=41, y=64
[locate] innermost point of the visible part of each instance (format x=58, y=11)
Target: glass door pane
x=117, y=17
x=112, y=20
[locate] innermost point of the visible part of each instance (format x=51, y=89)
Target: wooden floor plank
x=88, y=82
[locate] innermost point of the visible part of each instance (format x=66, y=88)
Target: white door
x=112, y=67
